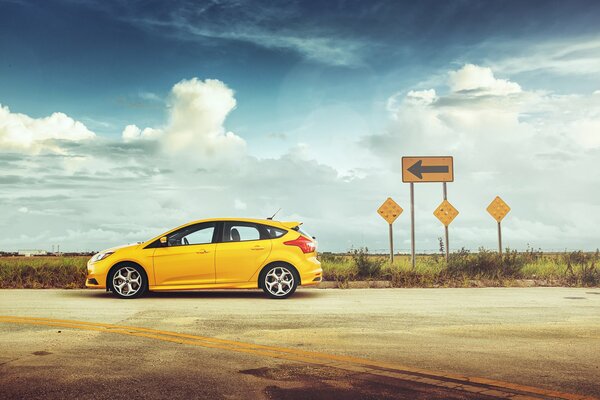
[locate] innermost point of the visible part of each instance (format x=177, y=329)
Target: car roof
x=253, y=220
x=288, y=225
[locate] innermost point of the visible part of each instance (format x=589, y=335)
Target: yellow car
x=212, y=254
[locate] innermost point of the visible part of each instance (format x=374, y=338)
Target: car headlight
x=101, y=256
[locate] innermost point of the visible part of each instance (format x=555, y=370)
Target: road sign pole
x=499, y=239
x=428, y=169
x=390, y=210
x=391, y=244
x=446, y=226
x=412, y=225
x=498, y=210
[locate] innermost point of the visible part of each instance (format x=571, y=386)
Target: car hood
x=124, y=246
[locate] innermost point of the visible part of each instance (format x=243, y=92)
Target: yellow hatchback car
x=212, y=254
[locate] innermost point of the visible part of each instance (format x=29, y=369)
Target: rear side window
x=273, y=232
x=242, y=232
x=302, y=232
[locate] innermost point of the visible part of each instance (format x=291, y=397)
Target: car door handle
x=202, y=252
x=258, y=248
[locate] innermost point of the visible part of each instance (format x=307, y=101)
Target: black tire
x=275, y=280
x=132, y=277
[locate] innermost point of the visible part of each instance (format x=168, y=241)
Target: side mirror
x=163, y=240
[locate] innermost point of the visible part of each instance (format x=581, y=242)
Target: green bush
x=367, y=266
x=512, y=264
x=486, y=264
x=341, y=270
x=582, y=268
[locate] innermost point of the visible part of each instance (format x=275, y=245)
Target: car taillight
x=306, y=245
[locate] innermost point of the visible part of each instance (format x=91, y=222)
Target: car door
x=188, y=258
x=242, y=249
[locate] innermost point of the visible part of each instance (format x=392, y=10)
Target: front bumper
x=96, y=275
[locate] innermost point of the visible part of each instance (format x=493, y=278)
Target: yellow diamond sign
x=390, y=210
x=498, y=209
x=445, y=212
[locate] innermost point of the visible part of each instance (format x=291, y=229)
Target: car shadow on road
x=195, y=294
x=224, y=294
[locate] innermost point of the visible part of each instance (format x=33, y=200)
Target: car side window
x=193, y=234
x=273, y=232
x=242, y=232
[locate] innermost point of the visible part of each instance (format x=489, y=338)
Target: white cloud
x=255, y=26
x=147, y=183
x=20, y=132
x=416, y=97
x=333, y=51
x=574, y=56
x=132, y=132
x=149, y=96
x=195, y=128
x=239, y=205
x=531, y=148
x=197, y=116
x=480, y=79
x=586, y=132
x=537, y=150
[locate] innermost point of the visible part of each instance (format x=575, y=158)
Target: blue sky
x=320, y=99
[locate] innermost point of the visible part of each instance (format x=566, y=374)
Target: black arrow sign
x=417, y=169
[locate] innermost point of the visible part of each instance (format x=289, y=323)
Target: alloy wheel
x=127, y=281
x=279, y=281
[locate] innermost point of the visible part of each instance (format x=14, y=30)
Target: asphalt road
x=514, y=343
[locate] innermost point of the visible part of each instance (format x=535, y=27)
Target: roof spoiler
x=291, y=225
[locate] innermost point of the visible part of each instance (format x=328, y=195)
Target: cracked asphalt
x=548, y=338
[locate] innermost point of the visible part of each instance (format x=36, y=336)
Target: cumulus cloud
x=20, y=132
x=416, y=97
x=195, y=128
x=197, y=116
x=139, y=186
x=529, y=147
x=481, y=80
x=517, y=144
x=132, y=132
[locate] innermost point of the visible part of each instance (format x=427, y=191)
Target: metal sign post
x=499, y=239
x=446, y=226
x=446, y=214
x=412, y=225
x=426, y=169
x=390, y=210
x=498, y=210
x=391, y=244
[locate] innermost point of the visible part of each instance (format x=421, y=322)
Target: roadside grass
x=466, y=269
x=463, y=269
x=548, y=268
x=43, y=272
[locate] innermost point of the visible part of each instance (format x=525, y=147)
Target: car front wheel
x=128, y=281
x=280, y=281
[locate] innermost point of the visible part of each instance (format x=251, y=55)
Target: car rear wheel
x=280, y=281
x=128, y=281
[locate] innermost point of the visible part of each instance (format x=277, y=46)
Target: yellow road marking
x=444, y=380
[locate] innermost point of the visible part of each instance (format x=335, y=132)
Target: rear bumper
x=311, y=272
